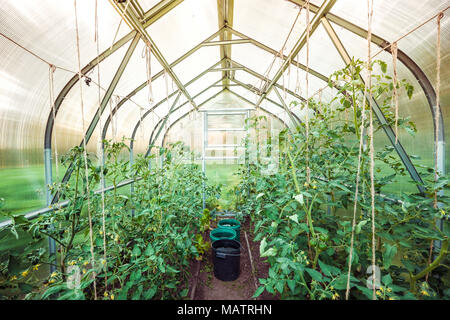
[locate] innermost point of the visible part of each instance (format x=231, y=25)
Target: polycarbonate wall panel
x=320, y=43
x=147, y=4
x=185, y=26
x=254, y=58
x=69, y=120
x=135, y=72
x=269, y=22
x=417, y=108
x=392, y=20
x=47, y=28
x=204, y=58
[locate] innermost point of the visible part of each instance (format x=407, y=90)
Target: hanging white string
x=111, y=119
x=148, y=61
x=297, y=82
x=85, y=152
x=166, y=82
x=437, y=107
x=51, y=72
x=394, y=48
x=308, y=30
x=371, y=137
x=100, y=133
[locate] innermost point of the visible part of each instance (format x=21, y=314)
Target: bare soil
x=209, y=287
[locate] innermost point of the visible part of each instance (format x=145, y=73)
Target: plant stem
x=430, y=267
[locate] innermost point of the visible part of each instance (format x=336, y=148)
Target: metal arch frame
x=142, y=86
x=151, y=16
x=136, y=127
x=294, y=118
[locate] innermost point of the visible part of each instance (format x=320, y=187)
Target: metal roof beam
x=225, y=10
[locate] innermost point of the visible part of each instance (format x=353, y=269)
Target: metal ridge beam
x=225, y=10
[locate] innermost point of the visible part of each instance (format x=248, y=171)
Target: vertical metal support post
x=440, y=157
x=247, y=155
x=132, y=184
x=48, y=182
x=205, y=142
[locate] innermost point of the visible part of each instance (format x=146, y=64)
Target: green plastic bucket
x=221, y=233
x=232, y=224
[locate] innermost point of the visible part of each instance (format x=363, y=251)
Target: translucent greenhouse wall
x=46, y=28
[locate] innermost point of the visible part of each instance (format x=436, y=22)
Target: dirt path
x=210, y=288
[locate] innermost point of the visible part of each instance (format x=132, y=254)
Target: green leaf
x=136, y=251
x=258, y=292
x=360, y=225
x=327, y=269
x=291, y=285
x=388, y=254
x=262, y=246
x=387, y=280
x=280, y=286
x=316, y=275
x=149, y=251
x=150, y=293
x=269, y=253
x=294, y=218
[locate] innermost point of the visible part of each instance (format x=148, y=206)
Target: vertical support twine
x=308, y=30
x=102, y=153
x=394, y=49
x=436, y=110
x=371, y=136
x=85, y=151
x=52, y=70
x=436, y=126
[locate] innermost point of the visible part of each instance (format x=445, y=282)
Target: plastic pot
x=222, y=233
x=231, y=224
x=226, y=259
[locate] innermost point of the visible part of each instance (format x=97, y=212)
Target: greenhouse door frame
x=222, y=112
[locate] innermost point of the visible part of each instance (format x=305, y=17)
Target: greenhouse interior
x=224, y=149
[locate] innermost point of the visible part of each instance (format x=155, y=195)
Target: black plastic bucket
x=226, y=259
